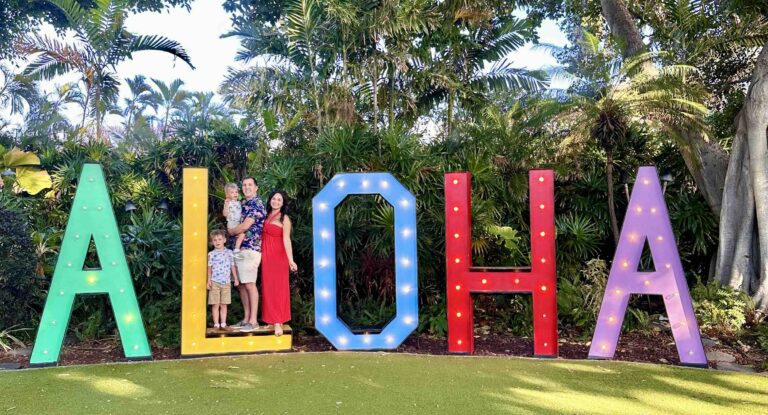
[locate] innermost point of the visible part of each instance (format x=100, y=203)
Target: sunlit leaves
x=32, y=180
x=29, y=177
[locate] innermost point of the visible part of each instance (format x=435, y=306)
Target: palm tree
x=621, y=95
x=384, y=35
x=346, y=52
x=169, y=97
x=297, y=45
x=137, y=102
x=102, y=43
x=455, y=72
x=206, y=108
x=15, y=91
x=45, y=118
x=270, y=99
x=196, y=113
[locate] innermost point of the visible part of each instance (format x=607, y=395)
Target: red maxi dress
x=276, y=299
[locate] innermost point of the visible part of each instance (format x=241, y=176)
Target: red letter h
x=463, y=279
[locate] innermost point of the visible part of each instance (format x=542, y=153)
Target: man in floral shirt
x=249, y=259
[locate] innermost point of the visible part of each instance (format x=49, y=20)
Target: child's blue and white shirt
x=221, y=262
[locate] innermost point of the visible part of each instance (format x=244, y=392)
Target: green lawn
x=370, y=383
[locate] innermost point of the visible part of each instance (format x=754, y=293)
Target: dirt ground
x=653, y=347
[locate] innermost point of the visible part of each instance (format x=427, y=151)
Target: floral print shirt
x=253, y=209
x=221, y=262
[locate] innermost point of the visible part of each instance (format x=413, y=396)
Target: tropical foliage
x=413, y=87
x=19, y=285
x=102, y=43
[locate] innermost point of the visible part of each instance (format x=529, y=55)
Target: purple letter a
x=647, y=219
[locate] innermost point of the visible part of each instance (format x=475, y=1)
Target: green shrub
x=92, y=317
x=579, y=296
x=638, y=320
x=514, y=315
x=161, y=318
x=9, y=338
x=367, y=313
x=720, y=308
x=433, y=319
x=302, y=312
x=17, y=271
x=578, y=238
x=762, y=336
x=152, y=244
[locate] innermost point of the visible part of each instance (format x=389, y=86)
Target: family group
x=259, y=236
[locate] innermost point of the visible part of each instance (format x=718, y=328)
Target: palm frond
x=512, y=36
x=502, y=77
x=72, y=11
x=162, y=44
x=303, y=19
x=549, y=48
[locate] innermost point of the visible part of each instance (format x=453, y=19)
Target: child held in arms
x=221, y=270
x=233, y=211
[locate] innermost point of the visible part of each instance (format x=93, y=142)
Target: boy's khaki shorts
x=220, y=294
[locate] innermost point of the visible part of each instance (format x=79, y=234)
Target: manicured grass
x=372, y=383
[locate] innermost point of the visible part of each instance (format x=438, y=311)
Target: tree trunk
x=375, y=90
x=391, y=109
x=707, y=162
x=623, y=27
x=743, y=252
x=98, y=127
x=742, y=257
x=611, y=206
x=128, y=123
x=85, y=111
x=165, y=121
x=450, y=111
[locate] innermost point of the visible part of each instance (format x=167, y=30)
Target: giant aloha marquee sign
x=92, y=219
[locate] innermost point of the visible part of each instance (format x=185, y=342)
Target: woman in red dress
x=276, y=261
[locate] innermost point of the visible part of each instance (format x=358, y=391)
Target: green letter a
x=91, y=217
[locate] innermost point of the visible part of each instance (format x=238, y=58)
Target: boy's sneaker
x=224, y=327
x=249, y=328
x=216, y=326
x=239, y=324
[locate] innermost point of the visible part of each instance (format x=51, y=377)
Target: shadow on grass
x=629, y=389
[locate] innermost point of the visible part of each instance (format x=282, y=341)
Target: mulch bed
x=653, y=347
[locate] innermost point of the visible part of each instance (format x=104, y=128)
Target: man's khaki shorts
x=248, y=262
x=220, y=293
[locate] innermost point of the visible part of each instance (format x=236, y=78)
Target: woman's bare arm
x=287, y=225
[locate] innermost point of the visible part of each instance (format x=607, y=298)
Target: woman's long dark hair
x=283, y=209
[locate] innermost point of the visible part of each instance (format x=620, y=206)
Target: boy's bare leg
x=223, y=315
x=215, y=312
